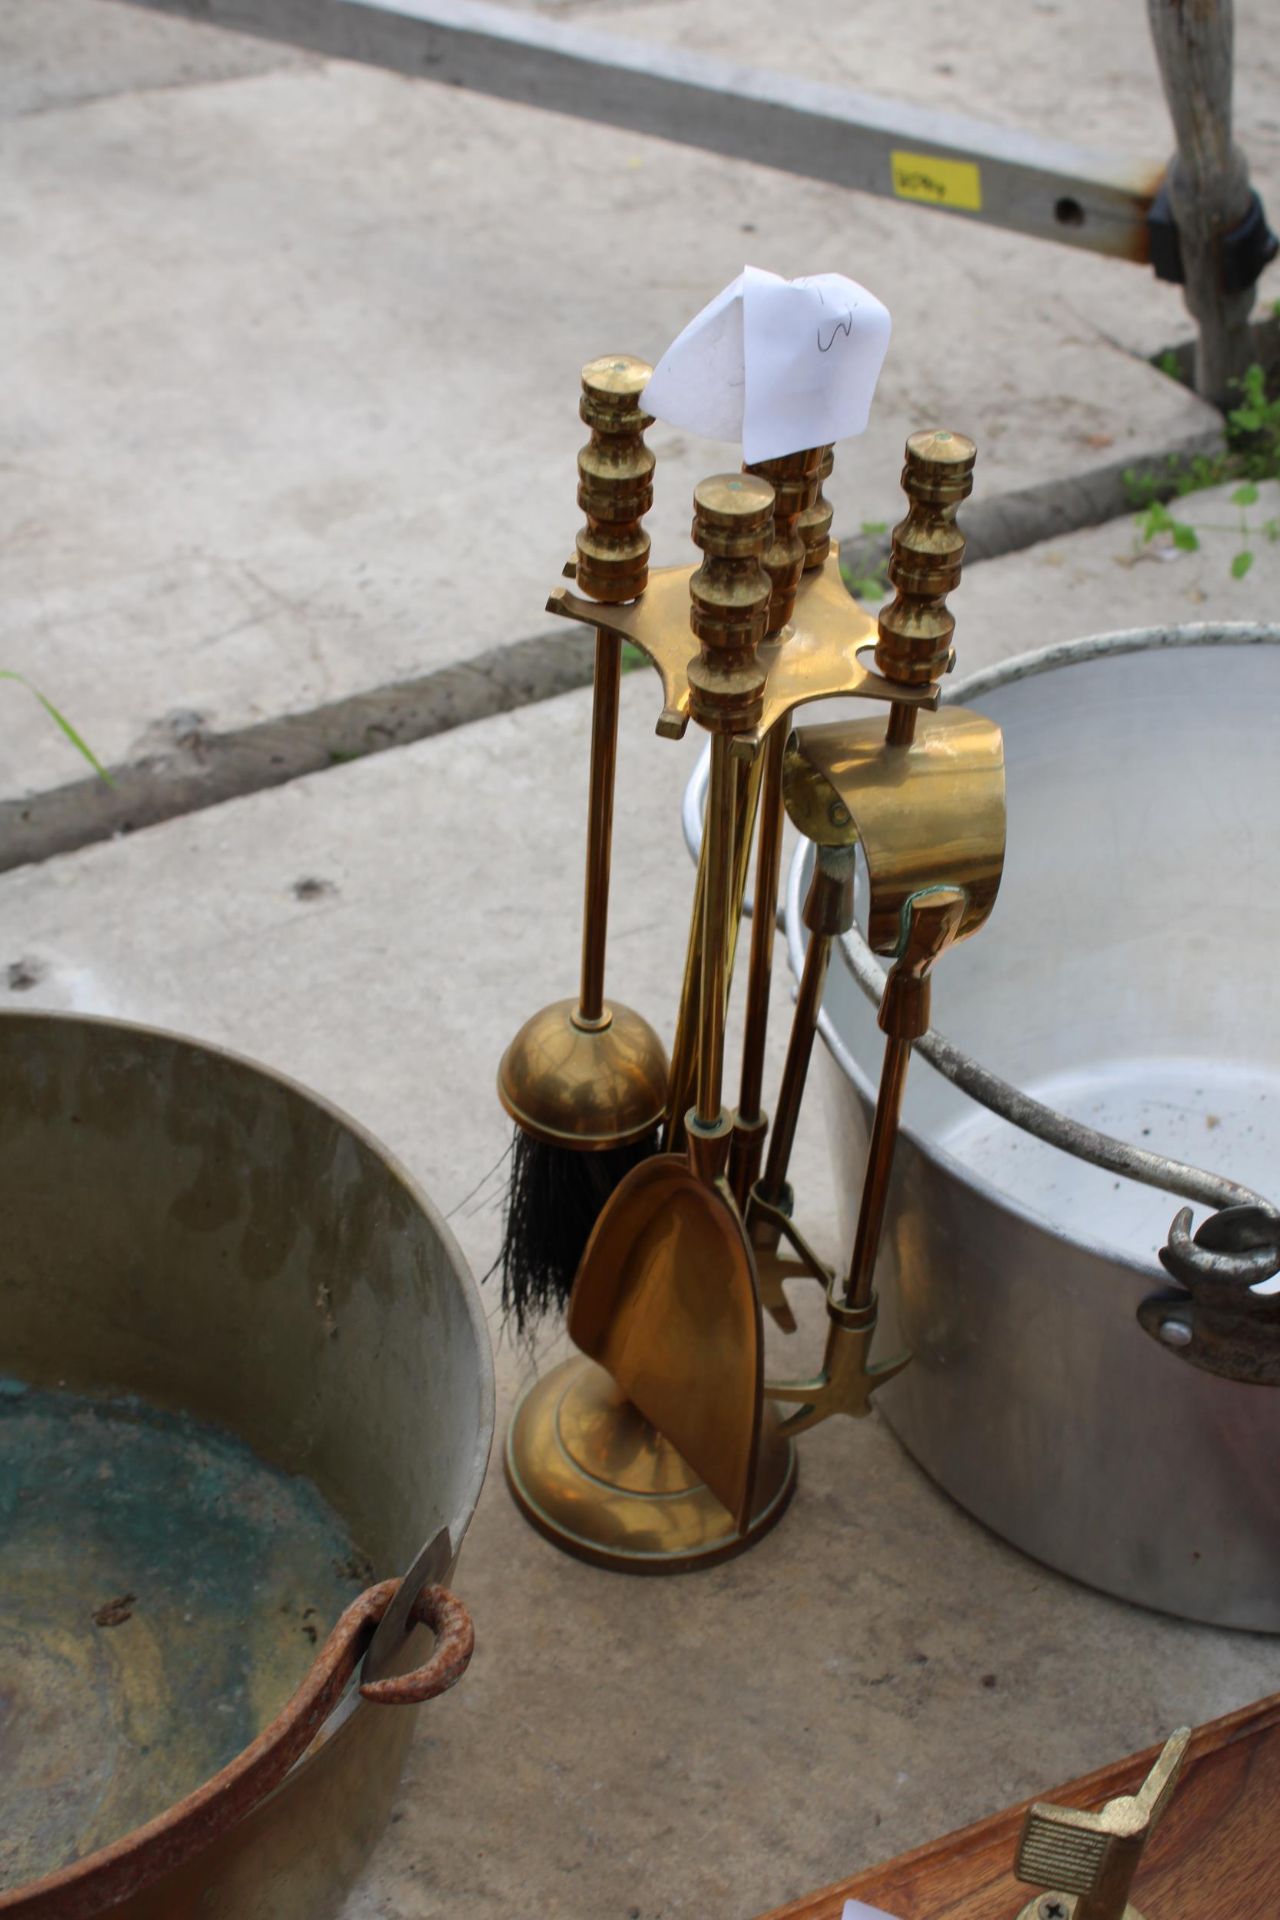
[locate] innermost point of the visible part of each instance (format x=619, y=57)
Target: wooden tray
x=1215, y=1855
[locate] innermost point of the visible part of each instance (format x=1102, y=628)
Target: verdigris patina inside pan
x=243, y=1374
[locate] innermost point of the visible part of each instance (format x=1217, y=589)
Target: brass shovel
x=666, y=1298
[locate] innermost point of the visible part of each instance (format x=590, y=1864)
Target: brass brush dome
x=588, y=1085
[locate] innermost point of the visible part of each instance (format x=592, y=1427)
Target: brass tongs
x=932, y=921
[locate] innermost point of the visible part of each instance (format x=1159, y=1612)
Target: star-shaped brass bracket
x=848, y=1378
x=817, y=656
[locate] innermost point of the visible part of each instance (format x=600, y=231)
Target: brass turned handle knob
x=729, y=600
x=914, y=646
x=615, y=480
x=1087, y=1861
x=795, y=480
x=814, y=524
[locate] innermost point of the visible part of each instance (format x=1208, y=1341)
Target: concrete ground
x=1109, y=577
x=293, y=348
x=270, y=443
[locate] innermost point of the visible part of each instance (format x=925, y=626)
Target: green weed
x=60, y=720
x=1251, y=455
x=873, y=585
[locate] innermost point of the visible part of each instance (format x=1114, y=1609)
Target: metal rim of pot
x=97, y=1881
x=333, y=1688
x=988, y=1089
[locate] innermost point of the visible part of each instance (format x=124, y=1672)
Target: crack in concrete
x=249, y=759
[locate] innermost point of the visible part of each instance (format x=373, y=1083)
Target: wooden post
x=1208, y=180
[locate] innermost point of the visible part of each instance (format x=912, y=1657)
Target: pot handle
x=102, y=1879
x=449, y=1620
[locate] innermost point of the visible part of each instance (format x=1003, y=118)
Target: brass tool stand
x=660, y=1448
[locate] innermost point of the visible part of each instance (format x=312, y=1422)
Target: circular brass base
x=592, y=1475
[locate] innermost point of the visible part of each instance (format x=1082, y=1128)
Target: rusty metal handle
x=101, y=1880
x=1215, y=1319
x=449, y=1620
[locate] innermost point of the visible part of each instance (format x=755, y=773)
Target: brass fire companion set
x=662, y=1218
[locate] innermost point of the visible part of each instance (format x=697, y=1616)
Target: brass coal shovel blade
x=666, y=1301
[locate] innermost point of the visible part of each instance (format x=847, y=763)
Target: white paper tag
x=777, y=364
x=855, y=1910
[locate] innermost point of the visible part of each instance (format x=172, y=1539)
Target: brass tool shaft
x=875, y=1185
x=615, y=491
x=716, y=906
x=750, y=1122
x=796, y=479
x=933, y=924
x=828, y=912
x=685, y=1046
x=729, y=597
x=604, y=760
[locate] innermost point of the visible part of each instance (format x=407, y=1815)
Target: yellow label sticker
x=940, y=183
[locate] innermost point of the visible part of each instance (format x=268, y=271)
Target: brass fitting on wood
x=814, y=525
x=1087, y=1862
x=914, y=647
x=729, y=595
x=615, y=480
x=795, y=482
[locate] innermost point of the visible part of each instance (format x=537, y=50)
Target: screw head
x=1176, y=1333
x=1052, y=1908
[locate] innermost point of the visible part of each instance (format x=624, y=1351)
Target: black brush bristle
x=554, y=1199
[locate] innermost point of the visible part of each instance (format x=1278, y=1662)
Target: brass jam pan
x=243, y=1374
